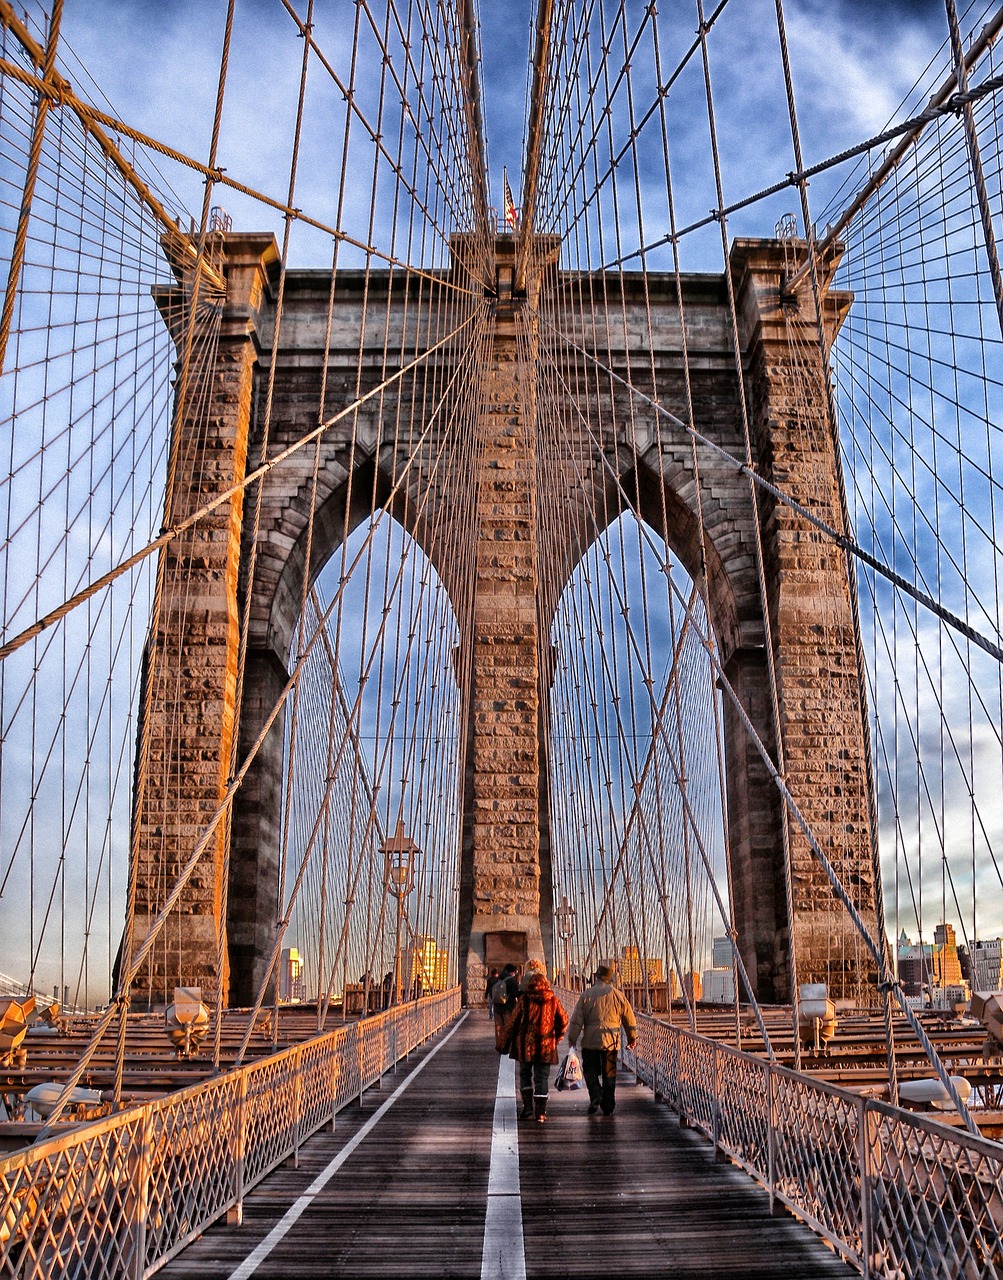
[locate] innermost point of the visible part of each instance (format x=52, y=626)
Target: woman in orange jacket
x=540, y=1022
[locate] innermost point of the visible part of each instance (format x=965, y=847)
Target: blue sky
x=156, y=61
x=853, y=63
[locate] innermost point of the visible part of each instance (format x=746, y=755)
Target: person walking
x=598, y=1017
x=540, y=1022
x=492, y=978
x=504, y=994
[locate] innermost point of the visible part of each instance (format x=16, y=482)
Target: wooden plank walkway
x=628, y=1195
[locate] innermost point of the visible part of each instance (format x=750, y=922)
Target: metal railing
x=120, y=1196
x=897, y=1194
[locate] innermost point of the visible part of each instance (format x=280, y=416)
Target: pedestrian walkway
x=433, y=1176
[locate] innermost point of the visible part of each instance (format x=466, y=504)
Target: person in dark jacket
x=504, y=994
x=492, y=978
x=598, y=1017
x=539, y=1024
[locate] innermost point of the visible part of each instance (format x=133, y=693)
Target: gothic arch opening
x=366, y=834
x=636, y=771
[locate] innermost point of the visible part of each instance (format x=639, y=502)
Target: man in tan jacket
x=599, y=1014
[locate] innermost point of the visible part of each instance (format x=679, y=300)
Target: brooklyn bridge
x=448, y=528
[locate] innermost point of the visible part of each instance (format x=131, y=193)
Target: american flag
x=511, y=212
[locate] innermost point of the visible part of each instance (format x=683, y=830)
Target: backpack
x=499, y=994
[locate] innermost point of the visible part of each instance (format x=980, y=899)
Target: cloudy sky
x=154, y=63
x=854, y=62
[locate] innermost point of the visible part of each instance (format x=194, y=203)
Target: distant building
x=425, y=966
x=914, y=966
x=946, y=963
x=292, y=988
x=987, y=965
x=718, y=986
x=722, y=953
x=633, y=968
x=949, y=997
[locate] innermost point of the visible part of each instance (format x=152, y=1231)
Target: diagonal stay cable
x=252, y=477
x=887, y=980
x=233, y=785
x=843, y=541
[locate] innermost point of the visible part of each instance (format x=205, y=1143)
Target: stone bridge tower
x=506, y=903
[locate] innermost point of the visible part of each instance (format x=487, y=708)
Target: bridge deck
x=628, y=1195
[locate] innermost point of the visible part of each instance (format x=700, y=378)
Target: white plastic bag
x=570, y=1074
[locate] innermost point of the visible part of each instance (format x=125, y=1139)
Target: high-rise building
x=633, y=968
x=292, y=987
x=425, y=967
x=946, y=964
x=722, y=954
x=987, y=965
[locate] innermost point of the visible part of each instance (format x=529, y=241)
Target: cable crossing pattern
x=392, y=587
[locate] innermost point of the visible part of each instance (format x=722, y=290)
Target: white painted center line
x=504, y=1256
x=296, y=1209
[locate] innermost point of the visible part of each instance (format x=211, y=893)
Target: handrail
x=122, y=1195
x=894, y=1192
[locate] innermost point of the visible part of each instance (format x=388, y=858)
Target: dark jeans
x=599, y=1070
x=535, y=1076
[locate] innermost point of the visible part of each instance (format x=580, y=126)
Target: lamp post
x=399, y=853
x=564, y=918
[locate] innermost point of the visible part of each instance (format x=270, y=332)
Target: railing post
x=235, y=1214
x=771, y=1138
x=335, y=1050
x=719, y=1155
x=864, y=1163
x=297, y=1105
x=142, y=1201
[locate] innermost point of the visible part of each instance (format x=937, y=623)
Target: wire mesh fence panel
x=190, y=1161
x=818, y=1170
x=269, y=1115
x=896, y=1194
x=696, y=1081
x=71, y=1205
x=937, y=1202
x=350, y=1074
x=743, y=1110
x=316, y=1086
